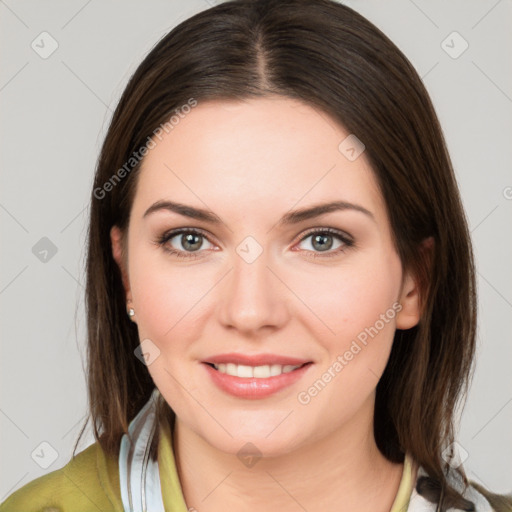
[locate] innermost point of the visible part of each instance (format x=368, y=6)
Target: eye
x=322, y=242
x=188, y=242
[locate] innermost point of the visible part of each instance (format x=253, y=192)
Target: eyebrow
x=293, y=217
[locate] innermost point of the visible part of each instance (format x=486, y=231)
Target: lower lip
x=254, y=388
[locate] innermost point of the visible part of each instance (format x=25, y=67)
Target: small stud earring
x=131, y=313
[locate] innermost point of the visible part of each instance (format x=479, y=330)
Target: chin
x=248, y=442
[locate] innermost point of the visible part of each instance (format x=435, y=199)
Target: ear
x=410, y=314
x=117, y=252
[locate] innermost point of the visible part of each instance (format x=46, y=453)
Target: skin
x=250, y=163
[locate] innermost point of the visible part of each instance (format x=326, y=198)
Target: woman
x=280, y=282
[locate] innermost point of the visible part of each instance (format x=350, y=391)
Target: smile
x=254, y=382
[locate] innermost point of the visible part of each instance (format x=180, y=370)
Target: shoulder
x=89, y=481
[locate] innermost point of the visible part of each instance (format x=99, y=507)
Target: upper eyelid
x=168, y=235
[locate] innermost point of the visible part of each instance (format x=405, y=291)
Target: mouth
x=255, y=382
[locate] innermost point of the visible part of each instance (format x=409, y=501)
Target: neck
x=342, y=471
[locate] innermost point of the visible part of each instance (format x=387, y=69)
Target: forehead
x=259, y=152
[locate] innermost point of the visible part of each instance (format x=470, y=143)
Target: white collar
x=139, y=477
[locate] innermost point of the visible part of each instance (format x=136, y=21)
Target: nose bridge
x=252, y=298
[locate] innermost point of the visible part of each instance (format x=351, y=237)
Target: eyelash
x=348, y=242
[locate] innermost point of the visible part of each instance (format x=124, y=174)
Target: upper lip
x=256, y=359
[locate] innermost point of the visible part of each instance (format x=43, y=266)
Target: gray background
x=55, y=112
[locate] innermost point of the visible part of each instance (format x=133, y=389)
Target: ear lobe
x=117, y=252
x=410, y=298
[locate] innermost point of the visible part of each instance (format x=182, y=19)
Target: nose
x=253, y=298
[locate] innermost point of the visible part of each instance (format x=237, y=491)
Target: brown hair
x=330, y=57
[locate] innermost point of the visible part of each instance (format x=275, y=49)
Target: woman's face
x=259, y=279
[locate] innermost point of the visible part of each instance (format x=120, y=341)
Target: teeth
x=260, y=372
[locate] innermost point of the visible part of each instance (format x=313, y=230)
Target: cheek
x=168, y=303
x=167, y=298
x=347, y=300
x=357, y=310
